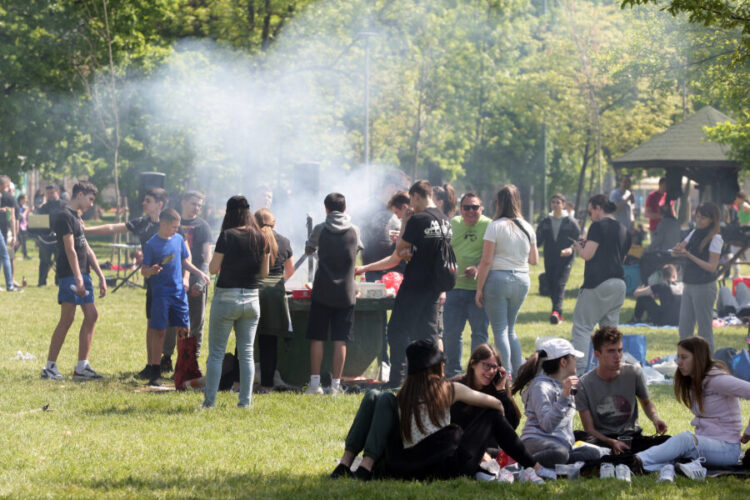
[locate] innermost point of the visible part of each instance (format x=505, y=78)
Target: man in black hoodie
x=333, y=294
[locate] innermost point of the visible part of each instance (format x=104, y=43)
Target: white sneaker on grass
x=622, y=472
x=52, y=373
x=606, y=470
x=505, y=476
x=546, y=473
x=314, y=390
x=694, y=470
x=88, y=373
x=666, y=475
x=529, y=476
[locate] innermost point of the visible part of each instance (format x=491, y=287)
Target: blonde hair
x=266, y=221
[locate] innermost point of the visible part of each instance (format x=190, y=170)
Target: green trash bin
x=370, y=316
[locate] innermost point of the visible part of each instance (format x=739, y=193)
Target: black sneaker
x=362, y=474
x=340, y=471
x=166, y=364
x=144, y=374
x=155, y=378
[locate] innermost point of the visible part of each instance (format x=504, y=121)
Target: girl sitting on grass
x=713, y=395
x=432, y=447
x=549, y=404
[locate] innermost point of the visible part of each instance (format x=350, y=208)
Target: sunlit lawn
x=107, y=439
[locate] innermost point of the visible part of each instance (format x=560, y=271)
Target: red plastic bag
x=393, y=280
x=187, y=362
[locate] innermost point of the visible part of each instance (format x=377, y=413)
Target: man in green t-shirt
x=467, y=242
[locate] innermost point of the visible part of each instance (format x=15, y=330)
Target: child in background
x=164, y=257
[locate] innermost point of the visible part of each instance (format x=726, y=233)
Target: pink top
x=721, y=417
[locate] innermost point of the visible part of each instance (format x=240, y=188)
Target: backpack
x=445, y=267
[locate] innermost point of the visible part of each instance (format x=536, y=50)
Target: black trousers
x=453, y=452
x=414, y=317
x=268, y=354
x=46, y=259
x=558, y=273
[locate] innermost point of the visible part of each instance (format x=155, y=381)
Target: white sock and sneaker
x=335, y=386
x=314, y=386
x=51, y=372
x=666, y=475
x=83, y=371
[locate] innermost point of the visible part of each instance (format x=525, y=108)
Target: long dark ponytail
x=530, y=368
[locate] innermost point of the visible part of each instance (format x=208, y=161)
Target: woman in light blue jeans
x=503, y=276
x=713, y=395
x=242, y=255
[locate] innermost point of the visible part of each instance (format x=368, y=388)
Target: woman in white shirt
x=702, y=249
x=503, y=277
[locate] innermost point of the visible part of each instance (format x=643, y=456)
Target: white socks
x=51, y=365
x=314, y=380
x=336, y=383
x=81, y=365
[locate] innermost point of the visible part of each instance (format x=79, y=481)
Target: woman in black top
x=241, y=254
x=274, y=310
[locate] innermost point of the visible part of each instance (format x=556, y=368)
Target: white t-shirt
x=717, y=242
x=511, y=245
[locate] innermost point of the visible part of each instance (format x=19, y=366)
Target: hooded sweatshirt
x=549, y=414
x=337, y=242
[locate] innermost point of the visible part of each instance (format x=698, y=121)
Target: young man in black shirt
x=143, y=228
x=197, y=234
x=333, y=293
x=74, y=257
x=415, y=312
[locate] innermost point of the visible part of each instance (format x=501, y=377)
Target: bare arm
x=642, y=291
x=488, y=254
x=106, y=229
x=588, y=250
x=288, y=269
x=650, y=410
x=710, y=266
x=473, y=398
x=186, y=264
x=265, y=265
x=72, y=256
x=98, y=270
x=215, y=265
x=588, y=425
x=387, y=262
x=533, y=255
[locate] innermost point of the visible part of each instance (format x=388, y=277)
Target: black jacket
x=569, y=230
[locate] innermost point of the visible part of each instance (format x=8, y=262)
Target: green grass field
x=106, y=439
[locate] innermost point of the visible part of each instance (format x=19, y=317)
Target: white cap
x=557, y=348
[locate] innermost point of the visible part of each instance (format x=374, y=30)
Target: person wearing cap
x=607, y=399
x=432, y=447
x=549, y=404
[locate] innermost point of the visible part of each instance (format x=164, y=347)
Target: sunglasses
x=490, y=366
x=471, y=207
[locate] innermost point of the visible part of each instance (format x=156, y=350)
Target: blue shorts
x=169, y=311
x=65, y=294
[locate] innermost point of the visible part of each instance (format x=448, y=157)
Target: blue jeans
x=504, y=292
x=714, y=451
x=237, y=308
x=5, y=261
x=459, y=307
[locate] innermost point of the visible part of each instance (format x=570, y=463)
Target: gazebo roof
x=682, y=145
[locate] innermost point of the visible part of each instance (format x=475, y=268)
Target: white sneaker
x=666, y=474
x=335, y=391
x=606, y=470
x=622, y=472
x=52, y=373
x=529, y=476
x=693, y=470
x=88, y=373
x=505, y=476
x=314, y=390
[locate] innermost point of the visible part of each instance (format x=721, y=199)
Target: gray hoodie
x=336, y=222
x=549, y=415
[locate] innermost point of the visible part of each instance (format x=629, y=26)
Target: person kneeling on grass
x=431, y=446
x=164, y=257
x=712, y=394
x=550, y=404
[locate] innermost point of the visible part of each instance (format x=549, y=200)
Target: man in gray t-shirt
x=606, y=398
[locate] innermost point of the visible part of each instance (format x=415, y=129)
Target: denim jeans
x=460, y=307
x=5, y=261
x=504, y=292
x=237, y=308
x=714, y=451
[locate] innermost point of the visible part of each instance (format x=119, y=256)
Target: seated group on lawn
x=438, y=428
